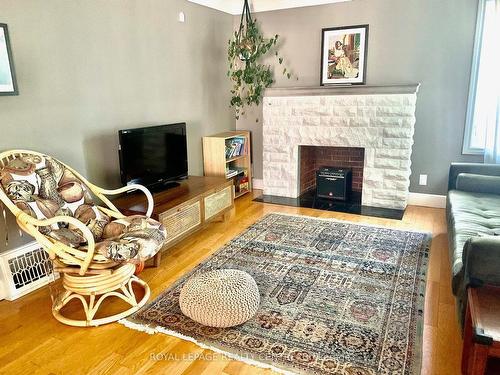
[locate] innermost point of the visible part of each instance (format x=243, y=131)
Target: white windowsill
x=473, y=152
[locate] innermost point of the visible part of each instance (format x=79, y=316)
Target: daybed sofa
x=473, y=214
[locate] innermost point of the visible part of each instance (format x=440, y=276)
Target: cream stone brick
x=372, y=184
x=334, y=121
x=386, y=121
x=384, y=100
x=360, y=121
x=401, y=175
x=341, y=100
x=387, y=163
x=396, y=185
x=401, y=154
x=311, y=121
x=372, y=179
x=405, y=164
x=384, y=194
x=388, y=203
x=367, y=112
x=409, y=99
x=397, y=133
x=407, y=143
x=344, y=111
x=408, y=122
x=394, y=143
x=385, y=111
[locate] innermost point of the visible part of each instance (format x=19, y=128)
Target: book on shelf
x=235, y=147
x=235, y=171
x=242, y=184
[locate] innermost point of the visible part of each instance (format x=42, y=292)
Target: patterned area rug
x=336, y=298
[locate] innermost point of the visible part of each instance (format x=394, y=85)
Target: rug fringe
x=158, y=329
x=138, y=326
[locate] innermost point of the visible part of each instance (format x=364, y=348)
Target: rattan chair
x=92, y=246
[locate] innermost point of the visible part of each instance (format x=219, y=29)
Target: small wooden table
x=481, y=330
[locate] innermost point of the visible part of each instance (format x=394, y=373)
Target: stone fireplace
x=378, y=119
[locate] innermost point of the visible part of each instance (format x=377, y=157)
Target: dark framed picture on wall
x=343, y=55
x=8, y=84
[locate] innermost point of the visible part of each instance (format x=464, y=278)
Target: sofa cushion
x=469, y=215
x=477, y=183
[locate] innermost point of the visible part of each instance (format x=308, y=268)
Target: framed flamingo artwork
x=8, y=84
x=343, y=55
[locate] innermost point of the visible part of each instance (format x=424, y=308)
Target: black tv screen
x=153, y=155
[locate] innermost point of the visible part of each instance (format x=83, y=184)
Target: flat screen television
x=154, y=156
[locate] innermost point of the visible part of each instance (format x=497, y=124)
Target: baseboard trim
x=258, y=183
x=414, y=199
x=427, y=200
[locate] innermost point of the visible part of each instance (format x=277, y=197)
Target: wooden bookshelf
x=217, y=157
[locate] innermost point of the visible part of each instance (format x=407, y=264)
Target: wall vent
x=23, y=270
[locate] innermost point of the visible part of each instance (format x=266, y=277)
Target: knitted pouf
x=220, y=298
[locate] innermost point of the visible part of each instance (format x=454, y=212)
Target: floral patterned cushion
x=43, y=188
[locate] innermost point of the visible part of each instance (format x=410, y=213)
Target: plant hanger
x=246, y=7
x=245, y=15
x=246, y=24
x=249, y=77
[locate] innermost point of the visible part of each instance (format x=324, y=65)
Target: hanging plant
x=248, y=76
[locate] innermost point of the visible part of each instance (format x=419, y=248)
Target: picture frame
x=343, y=55
x=8, y=83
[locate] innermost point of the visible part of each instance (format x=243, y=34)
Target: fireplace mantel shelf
x=342, y=90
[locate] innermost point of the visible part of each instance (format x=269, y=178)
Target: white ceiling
x=236, y=6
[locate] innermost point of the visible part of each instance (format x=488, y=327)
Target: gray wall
x=426, y=41
x=87, y=68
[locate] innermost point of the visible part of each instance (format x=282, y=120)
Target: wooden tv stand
x=184, y=209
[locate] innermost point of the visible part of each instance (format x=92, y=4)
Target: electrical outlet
x=182, y=17
x=423, y=179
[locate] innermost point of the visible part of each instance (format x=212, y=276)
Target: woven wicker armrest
x=101, y=193
x=31, y=225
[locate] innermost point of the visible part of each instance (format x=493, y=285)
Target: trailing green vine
x=248, y=76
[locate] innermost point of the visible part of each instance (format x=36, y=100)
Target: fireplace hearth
x=351, y=206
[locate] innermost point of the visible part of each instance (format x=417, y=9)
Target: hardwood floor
x=32, y=342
